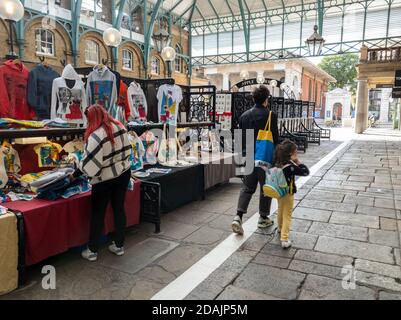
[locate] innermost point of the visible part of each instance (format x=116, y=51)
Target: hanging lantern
x=315, y=42
x=273, y=83
x=161, y=39
x=112, y=37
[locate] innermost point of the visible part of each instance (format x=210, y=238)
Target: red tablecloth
x=53, y=227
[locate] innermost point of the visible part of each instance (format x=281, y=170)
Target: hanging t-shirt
x=137, y=102
x=12, y=163
x=169, y=97
x=48, y=154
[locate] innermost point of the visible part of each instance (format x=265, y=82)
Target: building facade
x=309, y=82
x=47, y=32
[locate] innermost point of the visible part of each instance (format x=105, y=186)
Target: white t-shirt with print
x=169, y=97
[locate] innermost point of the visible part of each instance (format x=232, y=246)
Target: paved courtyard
x=347, y=223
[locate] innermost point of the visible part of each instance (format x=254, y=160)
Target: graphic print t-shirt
x=102, y=93
x=169, y=97
x=48, y=154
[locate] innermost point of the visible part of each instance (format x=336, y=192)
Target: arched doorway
x=337, y=111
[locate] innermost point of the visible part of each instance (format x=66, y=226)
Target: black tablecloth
x=179, y=187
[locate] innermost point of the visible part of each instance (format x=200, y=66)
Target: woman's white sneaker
x=89, y=255
x=116, y=250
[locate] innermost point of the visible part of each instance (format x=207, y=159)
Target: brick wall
x=62, y=46
x=63, y=50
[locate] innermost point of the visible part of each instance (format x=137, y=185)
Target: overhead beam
x=215, y=12
x=232, y=13
x=117, y=22
x=245, y=27
x=176, y=5
x=148, y=32
x=76, y=15
x=249, y=13
x=204, y=20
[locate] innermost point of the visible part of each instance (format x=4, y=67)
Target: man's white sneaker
x=116, y=250
x=286, y=244
x=89, y=255
x=236, y=225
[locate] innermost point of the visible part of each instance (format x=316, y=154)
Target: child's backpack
x=276, y=185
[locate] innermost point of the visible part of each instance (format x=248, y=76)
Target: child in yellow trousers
x=286, y=157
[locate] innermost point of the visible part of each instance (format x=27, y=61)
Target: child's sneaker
x=236, y=225
x=116, y=250
x=89, y=255
x=286, y=244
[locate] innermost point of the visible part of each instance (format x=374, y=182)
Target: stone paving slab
x=389, y=270
x=323, y=258
x=235, y=293
x=339, y=231
x=138, y=256
x=271, y=281
x=273, y=261
x=207, y=236
x=389, y=296
x=326, y=205
x=316, y=268
x=372, y=211
x=384, y=237
x=358, y=200
x=378, y=281
x=311, y=214
x=355, y=220
x=355, y=249
x=323, y=288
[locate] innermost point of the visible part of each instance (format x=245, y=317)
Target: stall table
x=180, y=186
x=219, y=168
x=53, y=227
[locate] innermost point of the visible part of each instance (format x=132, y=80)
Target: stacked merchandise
x=54, y=182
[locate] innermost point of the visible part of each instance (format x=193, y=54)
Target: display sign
x=397, y=82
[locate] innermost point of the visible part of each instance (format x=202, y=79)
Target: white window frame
x=178, y=59
x=129, y=59
x=158, y=66
x=88, y=53
x=40, y=42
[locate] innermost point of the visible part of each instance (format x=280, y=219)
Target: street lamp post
x=11, y=11
x=112, y=38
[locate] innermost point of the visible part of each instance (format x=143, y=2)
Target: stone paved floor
x=348, y=213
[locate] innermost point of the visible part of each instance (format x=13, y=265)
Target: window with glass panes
x=127, y=60
x=178, y=59
x=44, y=42
x=92, y=52
x=155, y=66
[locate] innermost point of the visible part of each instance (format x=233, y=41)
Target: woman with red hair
x=106, y=162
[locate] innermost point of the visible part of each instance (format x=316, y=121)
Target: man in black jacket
x=256, y=119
